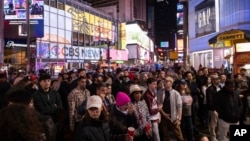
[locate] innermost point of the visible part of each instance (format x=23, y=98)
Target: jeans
x=155, y=131
x=187, y=128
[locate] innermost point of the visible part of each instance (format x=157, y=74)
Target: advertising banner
x=84, y=22
x=205, y=18
x=61, y=51
x=116, y=55
x=15, y=23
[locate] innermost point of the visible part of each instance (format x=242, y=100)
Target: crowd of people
x=119, y=106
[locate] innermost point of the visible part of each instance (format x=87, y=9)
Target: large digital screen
x=15, y=19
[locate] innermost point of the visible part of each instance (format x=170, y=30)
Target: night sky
x=165, y=22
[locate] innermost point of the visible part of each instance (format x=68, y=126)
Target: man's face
x=243, y=72
x=102, y=92
x=82, y=73
x=45, y=84
x=109, y=90
x=223, y=78
x=152, y=85
x=205, y=71
x=168, y=84
x=216, y=81
x=162, y=74
x=82, y=83
x=99, y=79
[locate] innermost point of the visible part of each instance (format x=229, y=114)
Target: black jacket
x=92, y=130
x=210, y=94
x=119, y=124
x=118, y=86
x=228, y=106
x=47, y=103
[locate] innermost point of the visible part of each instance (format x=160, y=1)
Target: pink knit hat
x=122, y=99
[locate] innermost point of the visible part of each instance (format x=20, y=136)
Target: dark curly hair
x=20, y=123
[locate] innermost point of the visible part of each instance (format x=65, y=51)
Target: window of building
x=53, y=3
x=61, y=6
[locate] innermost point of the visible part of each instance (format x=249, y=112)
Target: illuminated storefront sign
x=230, y=37
x=84, y=22
x=205, y=18
x=60, y=51
x=15, y=25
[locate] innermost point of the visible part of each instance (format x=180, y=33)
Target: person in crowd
x=197, y=97
x=202, y=137
x=201, y=79
x=48, y=102
x=245, y=77
x=229, y=108
x=143, y=81
x=211, y=94
x=110, y=97
x=150, y=96
x=98, y=78
x=186, y=120
x=101, y=90
x=223, y=78
x=72, y=75
x=204, y=108
x=161, y=75
x=119, y=84
x=108, y=78
x=19, y=77
x=74, y=83
x=240, y=84
x=141, y=112
x=20, y=123
x=22, y=95
x=171, y=111
x=76, y=97
x=64, y=90
x=245, y=119
x=123, y=116
x=55, y=85
x=126, y=76
x=95, y=125
x=4, y=87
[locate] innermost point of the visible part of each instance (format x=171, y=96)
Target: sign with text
x=61, y=51
x=239, y=132
x=15, y=19
x=205, y=18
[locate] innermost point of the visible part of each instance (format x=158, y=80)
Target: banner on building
x=15, y=19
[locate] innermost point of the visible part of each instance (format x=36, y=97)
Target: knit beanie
x=122, y=99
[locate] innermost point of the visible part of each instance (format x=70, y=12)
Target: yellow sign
x=84, y=22
x=122, y=36
x=235, y=36
x=173, y=55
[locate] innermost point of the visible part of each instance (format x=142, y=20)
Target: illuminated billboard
x=84, y=22
x=15, y=25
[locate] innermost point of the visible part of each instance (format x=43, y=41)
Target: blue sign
x=179, y=7
x=15, y=18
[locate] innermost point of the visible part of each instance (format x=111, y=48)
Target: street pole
x=185, y=34
x=1, y=33
x=108, y=54
x=28, y=35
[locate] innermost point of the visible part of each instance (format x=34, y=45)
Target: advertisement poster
x=15, y=18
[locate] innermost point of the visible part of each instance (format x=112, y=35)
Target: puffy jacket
x=92, y=130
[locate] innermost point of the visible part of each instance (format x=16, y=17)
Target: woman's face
x=183, y=86
x=94, y=112
x=137, y=95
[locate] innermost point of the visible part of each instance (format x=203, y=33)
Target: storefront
x=237, y=41
x=216, y=30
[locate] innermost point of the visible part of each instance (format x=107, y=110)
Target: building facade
x=208, y=19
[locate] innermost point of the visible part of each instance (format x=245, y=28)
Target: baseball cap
x=94, y=101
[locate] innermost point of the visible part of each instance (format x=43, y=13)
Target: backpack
x=81, y=109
